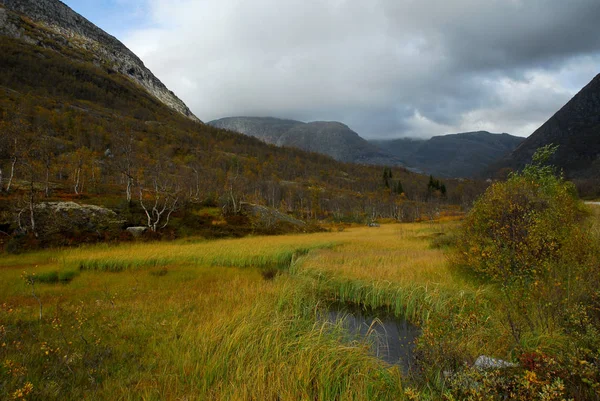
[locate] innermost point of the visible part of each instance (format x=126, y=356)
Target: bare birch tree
x=158, y=204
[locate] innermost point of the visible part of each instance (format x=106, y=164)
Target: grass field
x=236, y=319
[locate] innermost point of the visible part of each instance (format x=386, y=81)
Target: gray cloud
x=384, y=67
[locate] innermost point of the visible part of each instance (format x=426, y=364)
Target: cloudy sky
x=386, y=68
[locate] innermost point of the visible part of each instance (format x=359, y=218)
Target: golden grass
x=195, y=319
x=400, y=254
x=247, y=252
x=184, y=327
x=395, y=267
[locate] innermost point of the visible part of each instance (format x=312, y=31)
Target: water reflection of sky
x=393, y=339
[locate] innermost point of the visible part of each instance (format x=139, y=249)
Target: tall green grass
x=120, y=259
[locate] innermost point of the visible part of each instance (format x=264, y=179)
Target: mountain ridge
x=331, y=138
x=74, y=30
x=575, y=128
x=464, y=155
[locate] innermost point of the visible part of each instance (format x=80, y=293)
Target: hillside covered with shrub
x=75, y=129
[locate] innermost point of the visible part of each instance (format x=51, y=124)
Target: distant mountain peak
x=76, y=31
x=332, y=138
x=466, y=154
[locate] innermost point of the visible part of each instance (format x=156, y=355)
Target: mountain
x=75, y=125
x=456, y=155
x=54, y=21
x=336, y=140
x=327, y=137
x=575, y=128
x=267, y=129
x=402, y=148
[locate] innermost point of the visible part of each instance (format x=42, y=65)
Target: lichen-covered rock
x=137, y=231
x=484, y=362
x=70, y=217
x=266, y=219
x=76, y=31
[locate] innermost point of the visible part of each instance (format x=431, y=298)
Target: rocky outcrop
x=331, y=138
x=137, y=231
x=70, y=217
x=265, y=218
x=58, y=19
x=484, y=362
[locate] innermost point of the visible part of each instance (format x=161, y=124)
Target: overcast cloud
x=387, y=68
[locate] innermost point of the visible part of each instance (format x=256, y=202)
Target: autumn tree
x=159, y=197
x=233, y=192
x=13, y=148
x=526, y=234
x=31, y=166
x=125, y=160
x=46, y=158
x=78, y=163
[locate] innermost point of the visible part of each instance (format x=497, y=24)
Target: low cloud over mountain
x=386, y=68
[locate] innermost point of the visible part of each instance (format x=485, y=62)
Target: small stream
x=393, y=339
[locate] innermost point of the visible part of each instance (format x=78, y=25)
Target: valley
x=240, y=318
x=202, y=319
x=147, y=255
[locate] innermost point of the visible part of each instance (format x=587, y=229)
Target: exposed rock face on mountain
x=60, y=22
x=575, y=128
x=467, y=154
x=328, y=137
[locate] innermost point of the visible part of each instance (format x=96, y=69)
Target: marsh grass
x=191, y=320
x=277, y=252
x=218, y=320
x=56, y=276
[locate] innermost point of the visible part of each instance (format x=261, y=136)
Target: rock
x=137, y=231
x=70, y=217
x=263, y=217
x=484, y=362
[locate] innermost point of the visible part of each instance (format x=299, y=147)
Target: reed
x=200, y=320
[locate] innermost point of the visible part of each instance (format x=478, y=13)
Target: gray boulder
x=484, y=362
x=137, y=231
x=263, y=217
x=70, y=217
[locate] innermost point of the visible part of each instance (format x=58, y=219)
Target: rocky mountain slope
x=466, y=154
x=59, y=22
x=575, y=128
x=327, y=137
